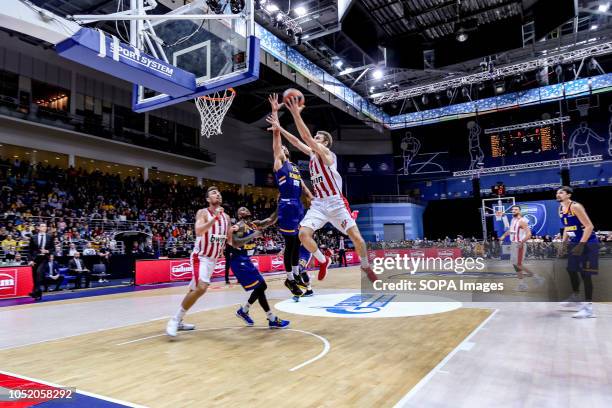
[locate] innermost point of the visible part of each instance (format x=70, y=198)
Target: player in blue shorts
x=583, y=250
x=290, y=209
x=244, y=233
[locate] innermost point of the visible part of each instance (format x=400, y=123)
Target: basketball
x=291, y=92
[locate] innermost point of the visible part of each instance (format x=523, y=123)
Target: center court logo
x=364, y=305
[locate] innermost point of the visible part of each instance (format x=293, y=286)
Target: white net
x=212, y=110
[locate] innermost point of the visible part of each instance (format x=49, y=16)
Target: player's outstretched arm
x=239, y=240
x=279, y=157
x=301, y=146
x=265, y=223
x=323, y=152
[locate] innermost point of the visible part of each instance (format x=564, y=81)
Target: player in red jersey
x=328, y=204
x=213, y=230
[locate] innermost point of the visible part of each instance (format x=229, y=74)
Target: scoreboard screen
x=525, y=141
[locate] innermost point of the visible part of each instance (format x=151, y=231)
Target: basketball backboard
x=221, y=51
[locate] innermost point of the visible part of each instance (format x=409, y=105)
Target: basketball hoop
x=212, y=110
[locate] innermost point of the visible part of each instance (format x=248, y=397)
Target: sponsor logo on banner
x=364, y=306
x=366, y=168
x=278, y=263
x=446, y=253
x=220, y=266
x=8, y=282
x=180, y=270
x=384, y=167
x=352, y=168
x=417, y=254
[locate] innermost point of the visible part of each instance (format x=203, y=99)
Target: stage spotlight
x=300, y=10
x=377, y=74
x=500, y=87
x=424, y=99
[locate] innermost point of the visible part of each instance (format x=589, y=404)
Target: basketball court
x=199, y=74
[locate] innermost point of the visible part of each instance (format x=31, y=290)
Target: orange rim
x=208, y=98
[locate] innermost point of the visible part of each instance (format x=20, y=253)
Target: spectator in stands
x=18, y=261
x=78, y=269
x=89, y=250
x=58, y=251
x=72, y=251
x=50, y=271
x=8, y=246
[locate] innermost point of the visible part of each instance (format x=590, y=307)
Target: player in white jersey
x=213, y=230
x=328, y=204
x=519, y=233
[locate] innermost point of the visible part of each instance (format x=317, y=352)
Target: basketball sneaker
x=293, y=287
x=323, y=268
x=299, y=281
x=241, y=314
x=172, y=327
x=372, y=277
x=186, y=326
x=308, y=293
x=586, y=311
x=278, y=323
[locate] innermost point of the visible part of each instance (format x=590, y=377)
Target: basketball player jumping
x=519, y=233
x=242, y=248
x=290, y=210
x=212, y=230
x=583, y=251
x=328, y=204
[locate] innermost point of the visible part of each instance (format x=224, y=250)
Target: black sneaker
x=308, y=293
x=293, y=287
x=300, y=282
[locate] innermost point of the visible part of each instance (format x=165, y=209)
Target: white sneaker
x=571, y=301
x=172, y=327
x=186, y=326
x=522, y=287
x=585, y=311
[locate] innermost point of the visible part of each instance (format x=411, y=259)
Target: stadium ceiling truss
x=528, y=125
x=529, y=166
x=564, y=57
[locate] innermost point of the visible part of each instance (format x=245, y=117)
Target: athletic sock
x=180, y=314
x=365, y=262
x=319, y=255
x=290, y=276
x=295, y=270
x=271, y=317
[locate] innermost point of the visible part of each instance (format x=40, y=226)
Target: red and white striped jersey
x=516, y=232
x=212, y=243
x=326, y=181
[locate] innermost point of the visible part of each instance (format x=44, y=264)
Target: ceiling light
x=272, y=7
x=604, y=7
x=300, y=10
x=378, y=74
x=461, y=35
x=279, y=16
x=338, y=64
x=594, y=27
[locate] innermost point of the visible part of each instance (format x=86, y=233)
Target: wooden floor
x=371, y=362
x=506, y=354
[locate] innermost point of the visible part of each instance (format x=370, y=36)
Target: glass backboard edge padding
x=230, y=80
